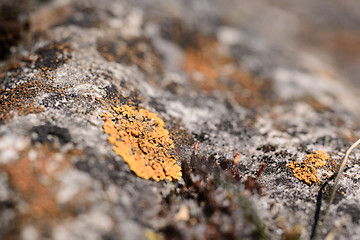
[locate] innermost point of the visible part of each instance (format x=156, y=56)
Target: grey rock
x=237, y=77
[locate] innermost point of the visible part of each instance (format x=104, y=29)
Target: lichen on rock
x=307, y=171
x=139, y=136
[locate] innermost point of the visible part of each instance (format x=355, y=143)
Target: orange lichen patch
x=20, y=99
x=307, y=171
x=210, y=70
x=140, y=138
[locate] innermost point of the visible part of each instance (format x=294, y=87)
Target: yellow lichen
x=307, y=170
x=140, y=138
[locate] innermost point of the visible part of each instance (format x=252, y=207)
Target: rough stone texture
x=265, y=79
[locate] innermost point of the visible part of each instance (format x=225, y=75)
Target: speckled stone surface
x=252, y=78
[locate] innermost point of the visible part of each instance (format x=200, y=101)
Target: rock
x=231, y=79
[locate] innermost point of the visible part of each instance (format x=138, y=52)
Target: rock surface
x=252, y=78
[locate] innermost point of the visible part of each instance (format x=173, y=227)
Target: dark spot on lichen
x=53, y=55
x=241, y=128
x=48, y=133
x=267, y=148
x=283, y=154
x=201, y=136
x=106, y=169
x=113, y=95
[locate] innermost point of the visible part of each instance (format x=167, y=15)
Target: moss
x=140, y=138
x=216, y=192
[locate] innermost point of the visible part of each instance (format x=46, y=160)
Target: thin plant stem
x=333, y=190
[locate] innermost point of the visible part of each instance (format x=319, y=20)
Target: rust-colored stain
x=24, y=177
x=316, y=104
x=210, y=69
x=202, y=61
x=34, y=179
x=307, y=171
x=20, y=99
x=139, y=136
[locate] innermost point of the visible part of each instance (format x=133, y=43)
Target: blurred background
x=330, y=29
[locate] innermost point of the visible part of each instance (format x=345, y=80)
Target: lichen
x=34, y=176
x=20, y=99
x=140, y=138
x=307, y=171
x=207, y=67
